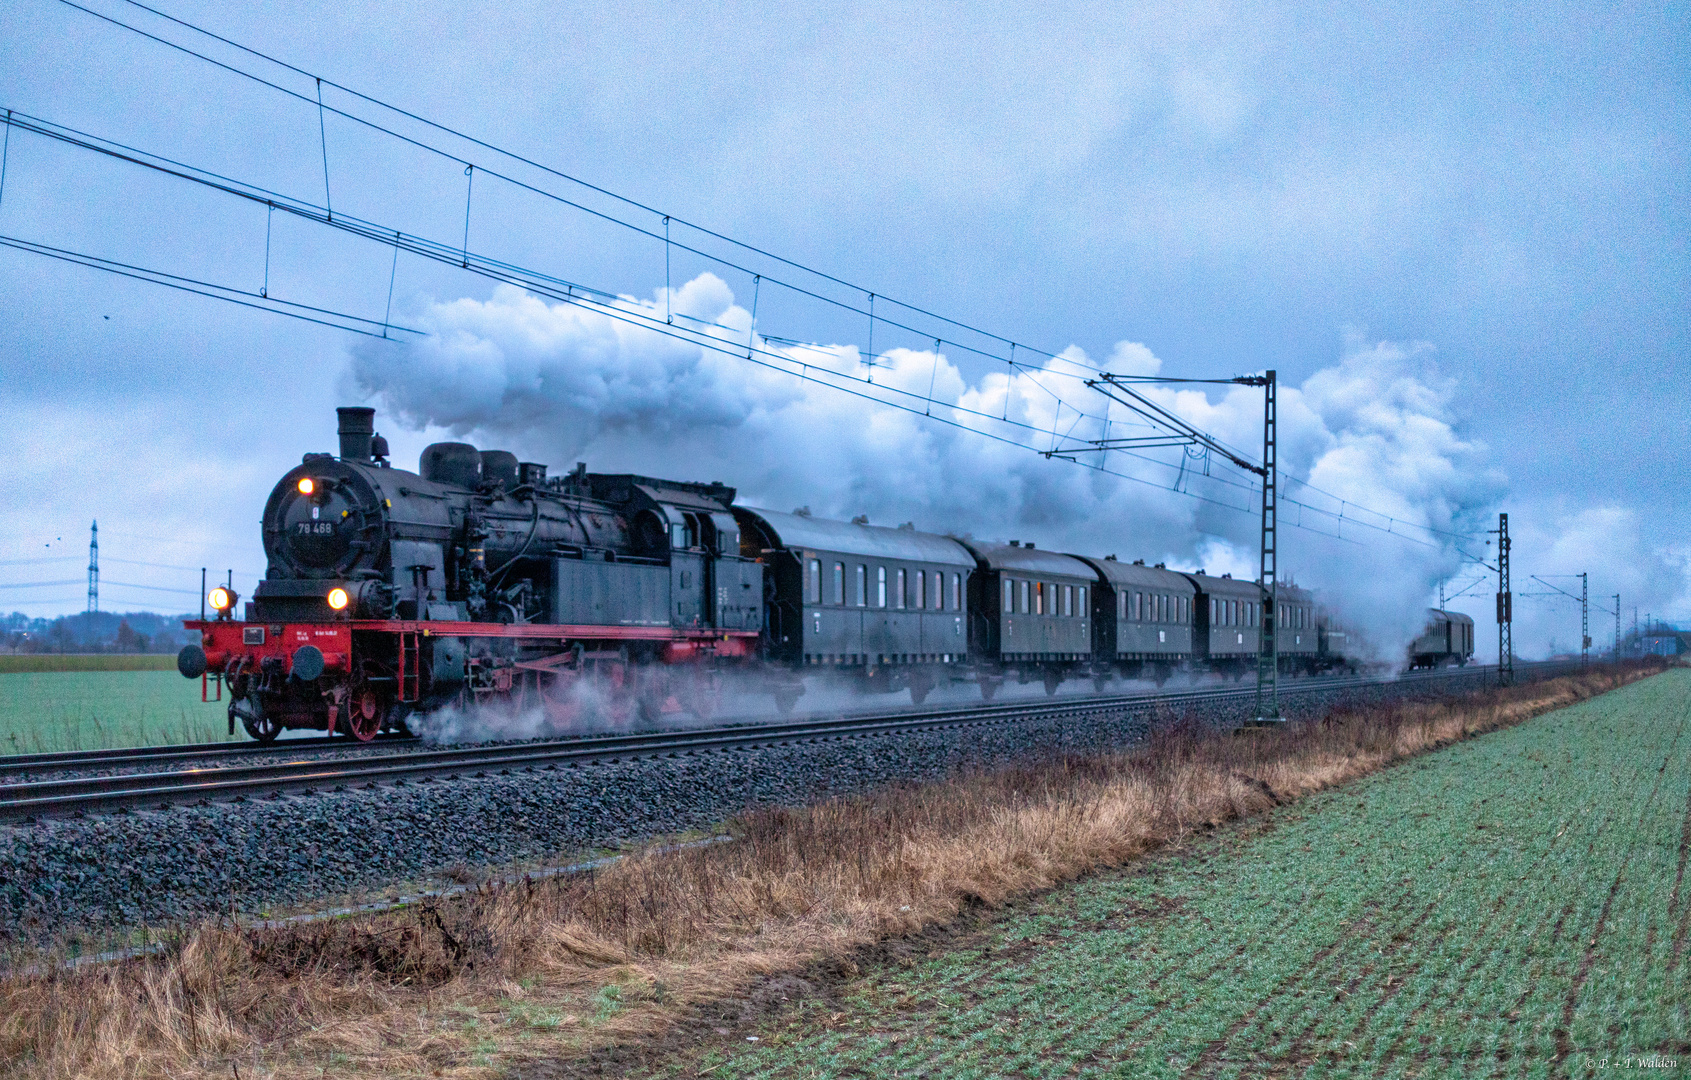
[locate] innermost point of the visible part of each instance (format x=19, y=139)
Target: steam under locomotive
x=478, y=579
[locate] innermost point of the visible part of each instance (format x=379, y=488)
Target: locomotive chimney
x=357, y=425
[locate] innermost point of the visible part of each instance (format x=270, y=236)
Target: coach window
x=839, y=583
x=1027, y=588
x=1039, y=598
x=898, y=597
x=938, y=598
x=813, y=582
x=1009, y=607
x=921, y=590
x=1080, y=602
x=880, y=586
x=956, y=592
x=862, y=593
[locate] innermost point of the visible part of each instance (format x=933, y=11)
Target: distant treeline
x=94, y=632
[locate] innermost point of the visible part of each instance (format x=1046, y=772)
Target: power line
x=227, y=293
x=573, y=293
x=328, y=217
x=103, y=582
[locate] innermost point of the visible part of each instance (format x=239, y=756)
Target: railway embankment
x=597, y=971
x=93, y=878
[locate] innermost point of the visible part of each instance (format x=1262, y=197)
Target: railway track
x=157, y=789
x=13, y=764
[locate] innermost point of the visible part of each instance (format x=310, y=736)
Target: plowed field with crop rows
x=1516, y=905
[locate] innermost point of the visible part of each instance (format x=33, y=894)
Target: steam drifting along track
x=82, y=795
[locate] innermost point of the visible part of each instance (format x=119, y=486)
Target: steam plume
x=557, y=381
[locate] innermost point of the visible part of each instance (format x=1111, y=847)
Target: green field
x=85, y=710
x=22, y=662
x=1517, y=905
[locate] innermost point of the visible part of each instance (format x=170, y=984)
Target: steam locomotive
x=479, y=580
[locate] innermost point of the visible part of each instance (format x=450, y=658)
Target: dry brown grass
x=557, y=969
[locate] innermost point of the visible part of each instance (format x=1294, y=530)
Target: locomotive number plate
x=315, y=528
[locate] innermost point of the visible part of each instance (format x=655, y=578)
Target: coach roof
x=800, y=531
x=1029, y=560
x=1148, y=577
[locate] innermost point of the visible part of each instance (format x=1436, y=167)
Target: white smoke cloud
x=555, y=381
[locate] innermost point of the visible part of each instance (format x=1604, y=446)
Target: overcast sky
x=1498, y=192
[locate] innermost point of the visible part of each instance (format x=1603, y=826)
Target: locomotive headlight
x=307, y=485
x=221, y=599
x=338, y=599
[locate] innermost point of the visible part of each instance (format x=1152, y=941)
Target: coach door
x=688, y=567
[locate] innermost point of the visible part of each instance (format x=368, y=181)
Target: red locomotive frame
x=597, y=653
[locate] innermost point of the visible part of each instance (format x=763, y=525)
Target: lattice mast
x=1584, y=621
x=1268, y=642
x=1617, y=628
x=1175, y=431
x=1505, y=607
x=94, y=568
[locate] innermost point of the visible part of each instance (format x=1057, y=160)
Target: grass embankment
x=95, y=702
x=565, y=970
x=1514, y=906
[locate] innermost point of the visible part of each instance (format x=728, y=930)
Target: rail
x=96, y=794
